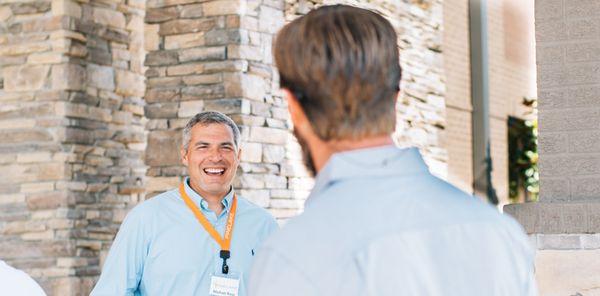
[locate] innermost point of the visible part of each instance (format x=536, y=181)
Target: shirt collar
x=370, y=162
x=199, y=200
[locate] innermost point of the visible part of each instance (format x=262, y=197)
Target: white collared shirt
x=378, y=223
x=15, y=282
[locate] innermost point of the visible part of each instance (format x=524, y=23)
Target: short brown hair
x=342, y=64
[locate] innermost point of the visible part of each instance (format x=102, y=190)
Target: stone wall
x=72, y=125
x=421, y=108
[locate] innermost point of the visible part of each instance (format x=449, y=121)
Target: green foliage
x=524, y=178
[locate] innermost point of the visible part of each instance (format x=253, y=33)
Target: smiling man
x=198, y=239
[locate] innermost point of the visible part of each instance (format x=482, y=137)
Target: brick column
x=565, y=224
x=216, y=55
x=71, y=121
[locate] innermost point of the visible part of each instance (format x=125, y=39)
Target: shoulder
x=268, y=278
x=150, y=207
x=246, y=207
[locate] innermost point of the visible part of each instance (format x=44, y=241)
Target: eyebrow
x=200, y=143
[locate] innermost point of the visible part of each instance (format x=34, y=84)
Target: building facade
x=94, y=95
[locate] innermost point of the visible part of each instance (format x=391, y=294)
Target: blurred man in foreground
x=377, y=222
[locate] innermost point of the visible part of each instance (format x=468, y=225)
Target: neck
x=324, y=150
x=348, y=145
x=215, y=201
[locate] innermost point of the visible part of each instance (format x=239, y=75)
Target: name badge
x=224, y=286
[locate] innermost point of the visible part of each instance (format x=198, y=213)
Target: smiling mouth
x=214, y=171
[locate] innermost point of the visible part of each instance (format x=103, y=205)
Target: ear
x=297, y=114
x=184, y=156
x=239, y=155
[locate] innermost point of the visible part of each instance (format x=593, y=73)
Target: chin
x=217, y=189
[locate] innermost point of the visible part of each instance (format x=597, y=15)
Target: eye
x=227, y=148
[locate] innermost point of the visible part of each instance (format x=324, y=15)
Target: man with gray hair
x=198, y=239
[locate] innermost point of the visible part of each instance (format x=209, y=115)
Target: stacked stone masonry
x=72, y=125
x=94, y=95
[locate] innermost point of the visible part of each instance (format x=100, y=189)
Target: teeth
x=214, y=171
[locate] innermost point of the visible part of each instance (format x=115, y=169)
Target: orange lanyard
x=225, y=241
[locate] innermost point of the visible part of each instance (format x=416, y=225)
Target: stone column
x=71, y=121
x=216, y=55
x=565, y=224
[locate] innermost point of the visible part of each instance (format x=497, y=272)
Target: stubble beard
x=307, y=158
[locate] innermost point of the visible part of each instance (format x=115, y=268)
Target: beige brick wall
x=568, y=44
x=457, y=67
x=512, y=76
x=565, y=222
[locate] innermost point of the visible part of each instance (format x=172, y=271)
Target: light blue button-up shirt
x=162, y=249
x=378, y=223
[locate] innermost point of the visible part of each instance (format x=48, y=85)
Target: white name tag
x=222, y=286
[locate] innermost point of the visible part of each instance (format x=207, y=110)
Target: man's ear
x=297, y=114
x=184, y=156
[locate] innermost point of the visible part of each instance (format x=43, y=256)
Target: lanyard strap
x=224, y=242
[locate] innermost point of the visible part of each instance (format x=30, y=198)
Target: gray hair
x=210, y=117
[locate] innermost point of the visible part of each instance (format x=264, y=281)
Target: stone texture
x=101, y=77
x=71, y=160
x=186, y=26
x=202, y=54
x=163, y=148
x=66, y=7
x=129, y=84
x=222, y=7
x=251, y=152
x=184, y=40
x=68, y=77
x=557, y=217
x=190, y=108
x=25, y=78
x=567, y=272
x=108, y=17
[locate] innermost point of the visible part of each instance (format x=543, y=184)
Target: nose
x=215, y=155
